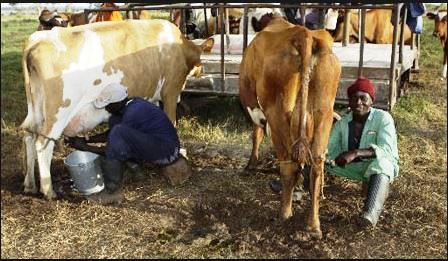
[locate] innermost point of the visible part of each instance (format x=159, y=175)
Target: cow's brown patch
x=97, y=82
x=66, y=103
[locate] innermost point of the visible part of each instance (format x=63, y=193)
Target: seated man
x=139, y=131
x=363, y=146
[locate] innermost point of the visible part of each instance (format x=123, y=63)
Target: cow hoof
x=30, y=190
x=247, y=171
x=315, y=233
x=286, y=216
x=51, y=195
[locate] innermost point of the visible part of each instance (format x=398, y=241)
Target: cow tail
x=301, y=150
x=28, y=123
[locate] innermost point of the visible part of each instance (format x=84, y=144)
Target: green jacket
x=378, y=133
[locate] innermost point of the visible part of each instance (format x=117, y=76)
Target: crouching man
x=138, y=131
x=363, y=145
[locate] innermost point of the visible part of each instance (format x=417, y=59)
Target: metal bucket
x=85, y=170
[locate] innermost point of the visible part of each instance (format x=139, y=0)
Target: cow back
x=70, y=67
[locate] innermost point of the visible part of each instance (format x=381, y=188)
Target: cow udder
x=87, y=118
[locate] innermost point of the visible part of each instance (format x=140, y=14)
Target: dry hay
x=220, y=213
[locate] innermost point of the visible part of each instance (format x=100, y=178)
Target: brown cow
x=75, y=19
x=138, y=14
x=378, y=28
x=108, y=15
x=289, y=78
x=440, y=31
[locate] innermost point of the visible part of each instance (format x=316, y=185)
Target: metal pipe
x=221, y=16
x=245, y=28
x=168, y=7
x=403, y=24
x=86, y=16
x=359, y=24
x=205, y=18
x=417, y=43
x=361, y=48
x=346, y=35
x=302, y=15
x=183, y=27
x=321, y=19
x=217, y=22
x=392, y=82
x=227, y=29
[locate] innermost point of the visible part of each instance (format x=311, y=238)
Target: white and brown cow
x=65, y=69
x=49, y=19
x=288, y=80
x=440, y=31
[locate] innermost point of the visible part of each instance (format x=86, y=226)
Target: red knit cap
x=362, y=84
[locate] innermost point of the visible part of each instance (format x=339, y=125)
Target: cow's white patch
x=441, y=15
x=79, y=89
x=44, y=155
x=166, y=36
x=157, y=95
x=444, y=71
x=257, y=115
x=50, y=35
x=29, y=182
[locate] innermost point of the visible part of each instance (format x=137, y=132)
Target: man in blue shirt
x=138, y=131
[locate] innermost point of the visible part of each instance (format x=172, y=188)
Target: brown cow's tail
x=301, y=151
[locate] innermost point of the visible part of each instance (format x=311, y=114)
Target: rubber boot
x=136, y=170
x=113, y=179
x=378, y=190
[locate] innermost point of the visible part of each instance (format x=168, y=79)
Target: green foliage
x=13, y=99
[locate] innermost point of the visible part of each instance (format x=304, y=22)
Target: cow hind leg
x=29, y=161
x=323, y=122
x=257, y=138
x=288, y=176
x=316, y=183
x=169, y=106
x=44, y=156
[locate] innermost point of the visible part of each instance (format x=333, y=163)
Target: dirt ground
x=217, y=213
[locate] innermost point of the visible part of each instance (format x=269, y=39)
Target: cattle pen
x=389, y=66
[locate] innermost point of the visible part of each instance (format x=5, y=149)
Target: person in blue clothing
x=138, y=131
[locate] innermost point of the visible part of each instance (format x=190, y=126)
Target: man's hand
x=345, y=158
x=78, y=143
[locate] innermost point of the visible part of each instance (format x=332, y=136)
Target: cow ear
x=208, y=45
x=431, y=16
